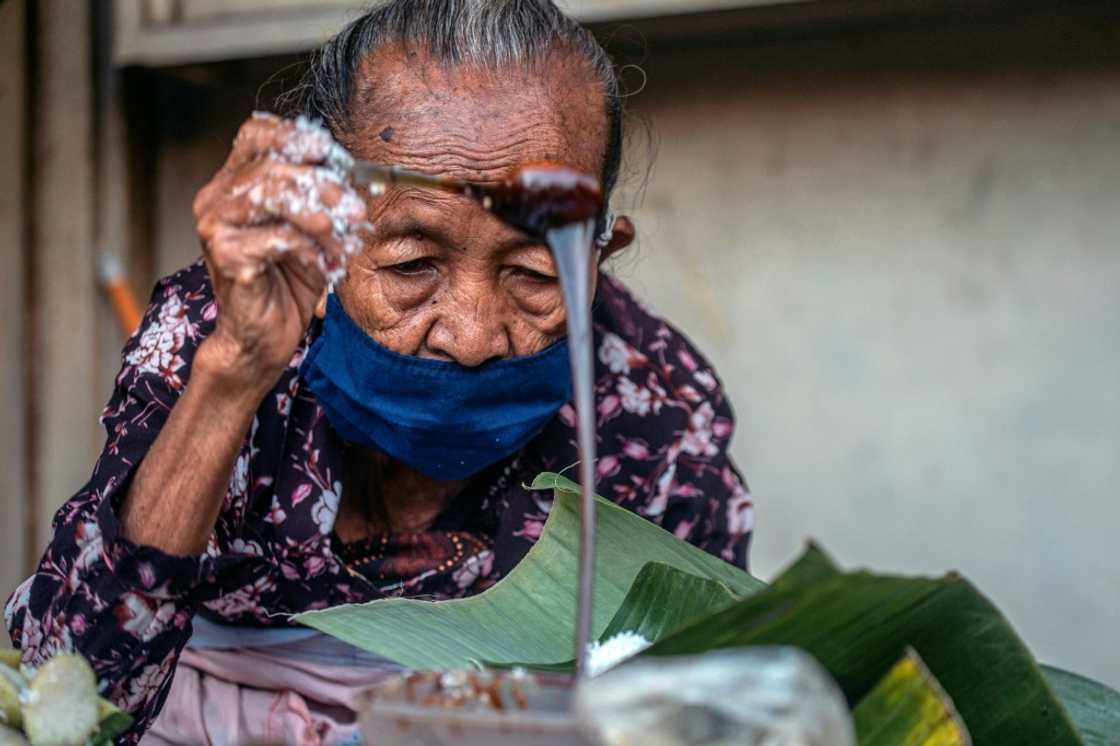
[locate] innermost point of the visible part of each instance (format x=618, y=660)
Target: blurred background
x=892, y=224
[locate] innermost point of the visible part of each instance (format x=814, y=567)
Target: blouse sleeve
x=126, y=608
x=711, y=506
x=708, y=503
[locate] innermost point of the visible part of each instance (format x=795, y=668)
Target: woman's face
x=441, y=277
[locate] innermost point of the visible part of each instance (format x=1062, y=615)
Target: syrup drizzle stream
x=559, y=205
x=571, y=247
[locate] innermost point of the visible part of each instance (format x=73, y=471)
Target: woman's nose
x=471, y=331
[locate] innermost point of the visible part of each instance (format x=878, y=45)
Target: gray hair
x=492, y=33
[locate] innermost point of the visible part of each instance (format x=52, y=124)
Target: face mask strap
x=604, y=238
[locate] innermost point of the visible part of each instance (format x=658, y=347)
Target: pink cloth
x=276, y=695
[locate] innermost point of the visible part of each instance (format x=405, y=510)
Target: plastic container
x=472, y=709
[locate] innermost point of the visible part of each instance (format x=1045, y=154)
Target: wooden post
x=63, y=306
x=13, y=226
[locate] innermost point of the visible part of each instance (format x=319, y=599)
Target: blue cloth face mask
x=444, y=419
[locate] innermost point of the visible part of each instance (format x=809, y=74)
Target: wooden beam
x=207, y=31
x=63, y=386
x=13, y=225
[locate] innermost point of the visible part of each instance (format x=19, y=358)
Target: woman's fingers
x=314, y=190
x=295, y=140
x=277, y=224
x=267, y=136
x=242, y=255
x=312, y=199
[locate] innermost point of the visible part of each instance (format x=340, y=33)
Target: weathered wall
x=900, y=248
x=902, y=255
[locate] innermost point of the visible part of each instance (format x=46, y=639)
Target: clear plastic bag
x=764, y=696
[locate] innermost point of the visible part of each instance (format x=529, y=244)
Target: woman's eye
x=413, y=268
x=532, y=274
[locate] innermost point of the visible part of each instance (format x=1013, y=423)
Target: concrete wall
x=902, y=253
x=900, y=248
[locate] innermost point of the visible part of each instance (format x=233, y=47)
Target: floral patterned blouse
x=664, y=426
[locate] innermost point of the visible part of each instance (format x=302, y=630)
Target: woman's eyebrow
x=410, y=224
x=404, y=213
x=416, y=212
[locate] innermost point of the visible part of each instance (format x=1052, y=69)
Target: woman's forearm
x=177, y=492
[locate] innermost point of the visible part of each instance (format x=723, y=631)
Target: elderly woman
x=241, y=482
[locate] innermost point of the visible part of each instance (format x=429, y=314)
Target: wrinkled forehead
x=475, y=122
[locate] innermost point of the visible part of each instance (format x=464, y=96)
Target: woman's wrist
x=176, y=495
x=229, y=374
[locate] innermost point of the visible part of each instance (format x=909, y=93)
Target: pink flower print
x=706, y=379
x=697, y=440
x=90, y=545
x=607, y=466
x=141, y=686
x=740, y=514
x=636, y=448
x=684, y=529
x=635, y=399
x=740, y=507
x=276, y=514
x=731, y=480
x=245, y=547
x=687, y=490
x=158, y=348
x=530, y=529
x=143, y=617
x=687, y=360
x=314, y=566
x=615, y=353
x=568, y=415
x=473, y=568
x=283, y=404
x=248, y=599
x=147, y=574
x=609, y=406
x=325, y=509
x=625, y=493
x=239, y=481
x=210, y=311
x=658, y=393
x=32, y=638
x=689, y=394
x=301, y=493
x=660, y=499
x=722, y=427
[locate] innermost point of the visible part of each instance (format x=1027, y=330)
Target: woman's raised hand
x=277, y=223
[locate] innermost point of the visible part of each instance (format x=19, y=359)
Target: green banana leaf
x=1093, y=707
x=663, y=599
x=909, y=708
x=529, y=615
x=859, y=624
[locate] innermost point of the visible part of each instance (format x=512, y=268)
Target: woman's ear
x=622, y=235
